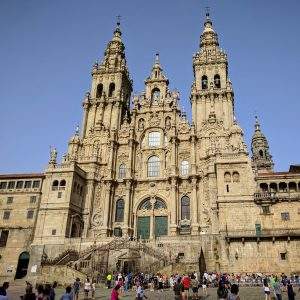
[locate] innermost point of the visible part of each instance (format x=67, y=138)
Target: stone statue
x=53, y=155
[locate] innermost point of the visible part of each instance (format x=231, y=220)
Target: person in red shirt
x=186, y=283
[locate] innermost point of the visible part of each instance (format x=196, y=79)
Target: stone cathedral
x=142, y=188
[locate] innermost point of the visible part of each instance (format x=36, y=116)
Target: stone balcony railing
x=273, y=197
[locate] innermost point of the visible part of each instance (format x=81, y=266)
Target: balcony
x=286, y=234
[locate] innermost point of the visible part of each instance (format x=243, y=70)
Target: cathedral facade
x=139, y=170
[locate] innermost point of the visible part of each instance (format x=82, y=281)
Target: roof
x=294, y=169
x=22, y=176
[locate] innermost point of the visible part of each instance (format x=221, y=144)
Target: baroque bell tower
x=211, y=94
x=109, y=99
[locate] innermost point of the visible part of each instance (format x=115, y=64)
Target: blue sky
x=48, y=48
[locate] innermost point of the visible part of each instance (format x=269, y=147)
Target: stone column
x=88, y=207
x=152, y=233
x=127, y=208
x=193, y=150
x=194, y=208
x=106, y=208
x=174, y=207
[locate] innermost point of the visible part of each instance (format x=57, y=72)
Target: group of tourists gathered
x=177, y=286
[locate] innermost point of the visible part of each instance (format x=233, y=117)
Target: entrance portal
x=22, y=265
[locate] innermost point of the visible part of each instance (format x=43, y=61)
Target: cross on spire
x=118, y=20
x=207, y=9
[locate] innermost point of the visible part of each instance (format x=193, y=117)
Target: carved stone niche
x=185, y=226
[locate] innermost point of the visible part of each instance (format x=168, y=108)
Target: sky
x=48, y=49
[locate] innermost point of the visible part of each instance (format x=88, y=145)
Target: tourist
x=266, y=289
x=178, y=289
x=47, y=291
x=222, y=291
x=140, y=292
x=3, y=293
x=204, y=286
x=40, y=292
x=234, y=292
x=93, y=287
x=195, y=286
x=108, y=280
x=277, y=288
x=87, y=288
x=76, y=288
x=52, y=291
x=186, y=282
x=290, y=291
x=29, y=295
x=115, y=293
x=68, y=294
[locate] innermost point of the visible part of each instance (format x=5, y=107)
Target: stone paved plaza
x=102, y=293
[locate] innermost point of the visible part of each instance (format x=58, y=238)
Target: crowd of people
x=183, y=286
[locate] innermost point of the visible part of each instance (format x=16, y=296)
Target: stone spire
x=208, y=37
x=261, y=157
x=157, y=83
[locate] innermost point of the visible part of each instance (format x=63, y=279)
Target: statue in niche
x=168, y=123
x=141, y=124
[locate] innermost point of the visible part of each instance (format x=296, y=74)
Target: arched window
x=154, y=139
x=282, y=187
x=264, y=187
x=185, y=208
x=204, y=82
x=111, y=90
x=119, y=217
x=99, y=90
x=122, y=171
x=155, y=95
x=292, y=186
x=227, y=177
x=261, y=153
x=159, y=204
x=62, y=183
x=217, y=81
x=153, y=166
x=184, y=167
x=273, y=187
x=55, y=185
x=145, y=205
x=235, y=177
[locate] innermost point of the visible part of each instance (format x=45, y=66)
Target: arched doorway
x=22, y=265
x=152, y=219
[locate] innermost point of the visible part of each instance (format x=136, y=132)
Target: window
x=10, y=200
x=185, y=208
x=154, y=139
x=62, y=184
x=32, y=199
x=155, y=94
x=153, y=166
x=265, y=209
x=236, y=177
x=4, y=238
x=119, y=217
x=19, y=184
x=145, y=205
x=283, y=256
x=59, y=194
x=227, y=177
x=217, y=81
x=11, y=185
x=36, y=184
x=118, y=232
x=160, y=204
x=3, y=185
x=27, y=185
x=184, y=167
x=6, y=215
x=55, y=185
x=204, y=82
x=285, y=216
x=122, y=171
x=99, y=90
x=111, y=90
x=30, y=214
x=227, y=188
x=53, y=232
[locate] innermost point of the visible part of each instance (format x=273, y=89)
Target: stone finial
x=53, y=156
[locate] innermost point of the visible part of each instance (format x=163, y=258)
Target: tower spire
x=261, y=157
